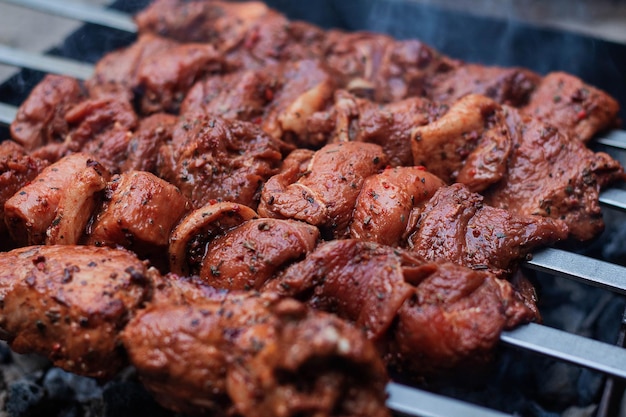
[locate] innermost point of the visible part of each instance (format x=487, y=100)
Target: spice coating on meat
x=40, y=120
x=246, y=257
x=143, y=147
x=211, y=158
x=255, y=355
x=69, y=303
x=390, y=202
x=325, y=194
x=456, y=226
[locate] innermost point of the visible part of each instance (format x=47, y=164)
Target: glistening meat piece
x=255, y=355
x=17, y=169
x=575, y=108
x=71, y=185
x=214, y=159
x=457, y=226
x=389, y=204
x=324, y=194
x=40, y=119
x=247, y=256
x=550, y=174
x=423, y=315
x=69, y=303
x=146, y=140
x=139, y=212
x=389, y=125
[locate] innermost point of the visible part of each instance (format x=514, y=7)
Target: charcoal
x=130, y=399
x=24, y=398
x=64, y=386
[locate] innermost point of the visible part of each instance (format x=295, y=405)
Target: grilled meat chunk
x=17, y=169
x=325, y=194
x=456, y=226
x=255, y=355
x=40, y=120
x=144, y=144
x=35, y=208
x=390, y=202
x=578, y=110
x=211, y=158
x=361, y=120
x=246, y=257
x=69, y=303
x=140, y=211
x=552, y=175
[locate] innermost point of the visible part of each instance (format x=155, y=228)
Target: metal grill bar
x=79, y=11
x=614, y=198
x=7, y=113
x=615, y=139
x=36, y=61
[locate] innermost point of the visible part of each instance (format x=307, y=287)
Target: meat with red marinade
x=247, y=256
x=69, y=304
x=214, y=159
x=578, y=110
x=510, y=86
x=255, y=355
x=146, y=140
x=325, y=193
x=390, y=202
x=455, y=225
x=17, y=169
x=40, y=119
x=550, y=174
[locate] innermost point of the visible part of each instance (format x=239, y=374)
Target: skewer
x=36, y=61
x=7, y=114
x=80, y=11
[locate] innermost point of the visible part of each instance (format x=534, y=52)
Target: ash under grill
x=566, y=277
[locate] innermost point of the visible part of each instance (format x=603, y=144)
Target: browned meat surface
x=69, y=303
x=280, y=97
x=17, y=169
x=511, y=86
x=246, y=257
x=454, y=319
x=325, y=194
x=551, y=175
x=422, y=314
x=469, y=144
x=255, y=355
x=390, y=125
x=211, y=158
x=456, y=226
x=40, y=119
x=139, y=213
x=144, y=144
x=390, y=202
x=577, y=109
x=190, y=237
x=31, y=211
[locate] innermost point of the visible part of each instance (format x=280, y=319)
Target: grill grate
x=579, y=350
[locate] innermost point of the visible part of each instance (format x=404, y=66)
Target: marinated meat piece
x=164, y=77
x=469, y=144
x=454, y=319
x=17, y=169
x=143, y=147
x=139, y=213
x=577, y=109
x=390, y=202
x=551, y=175
x=325, y=194
x=359, y=281
x=381, y=68
x=246, y=257
x=361, y=120
x=69, y=303
x=102, y=128
x=412, y=308
x=40, y=119
x=510, y=86
x=116, y=73
x=455, y=226
x=255, y=355
x=211, y=158
x=190, y=237
x=31, y=211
